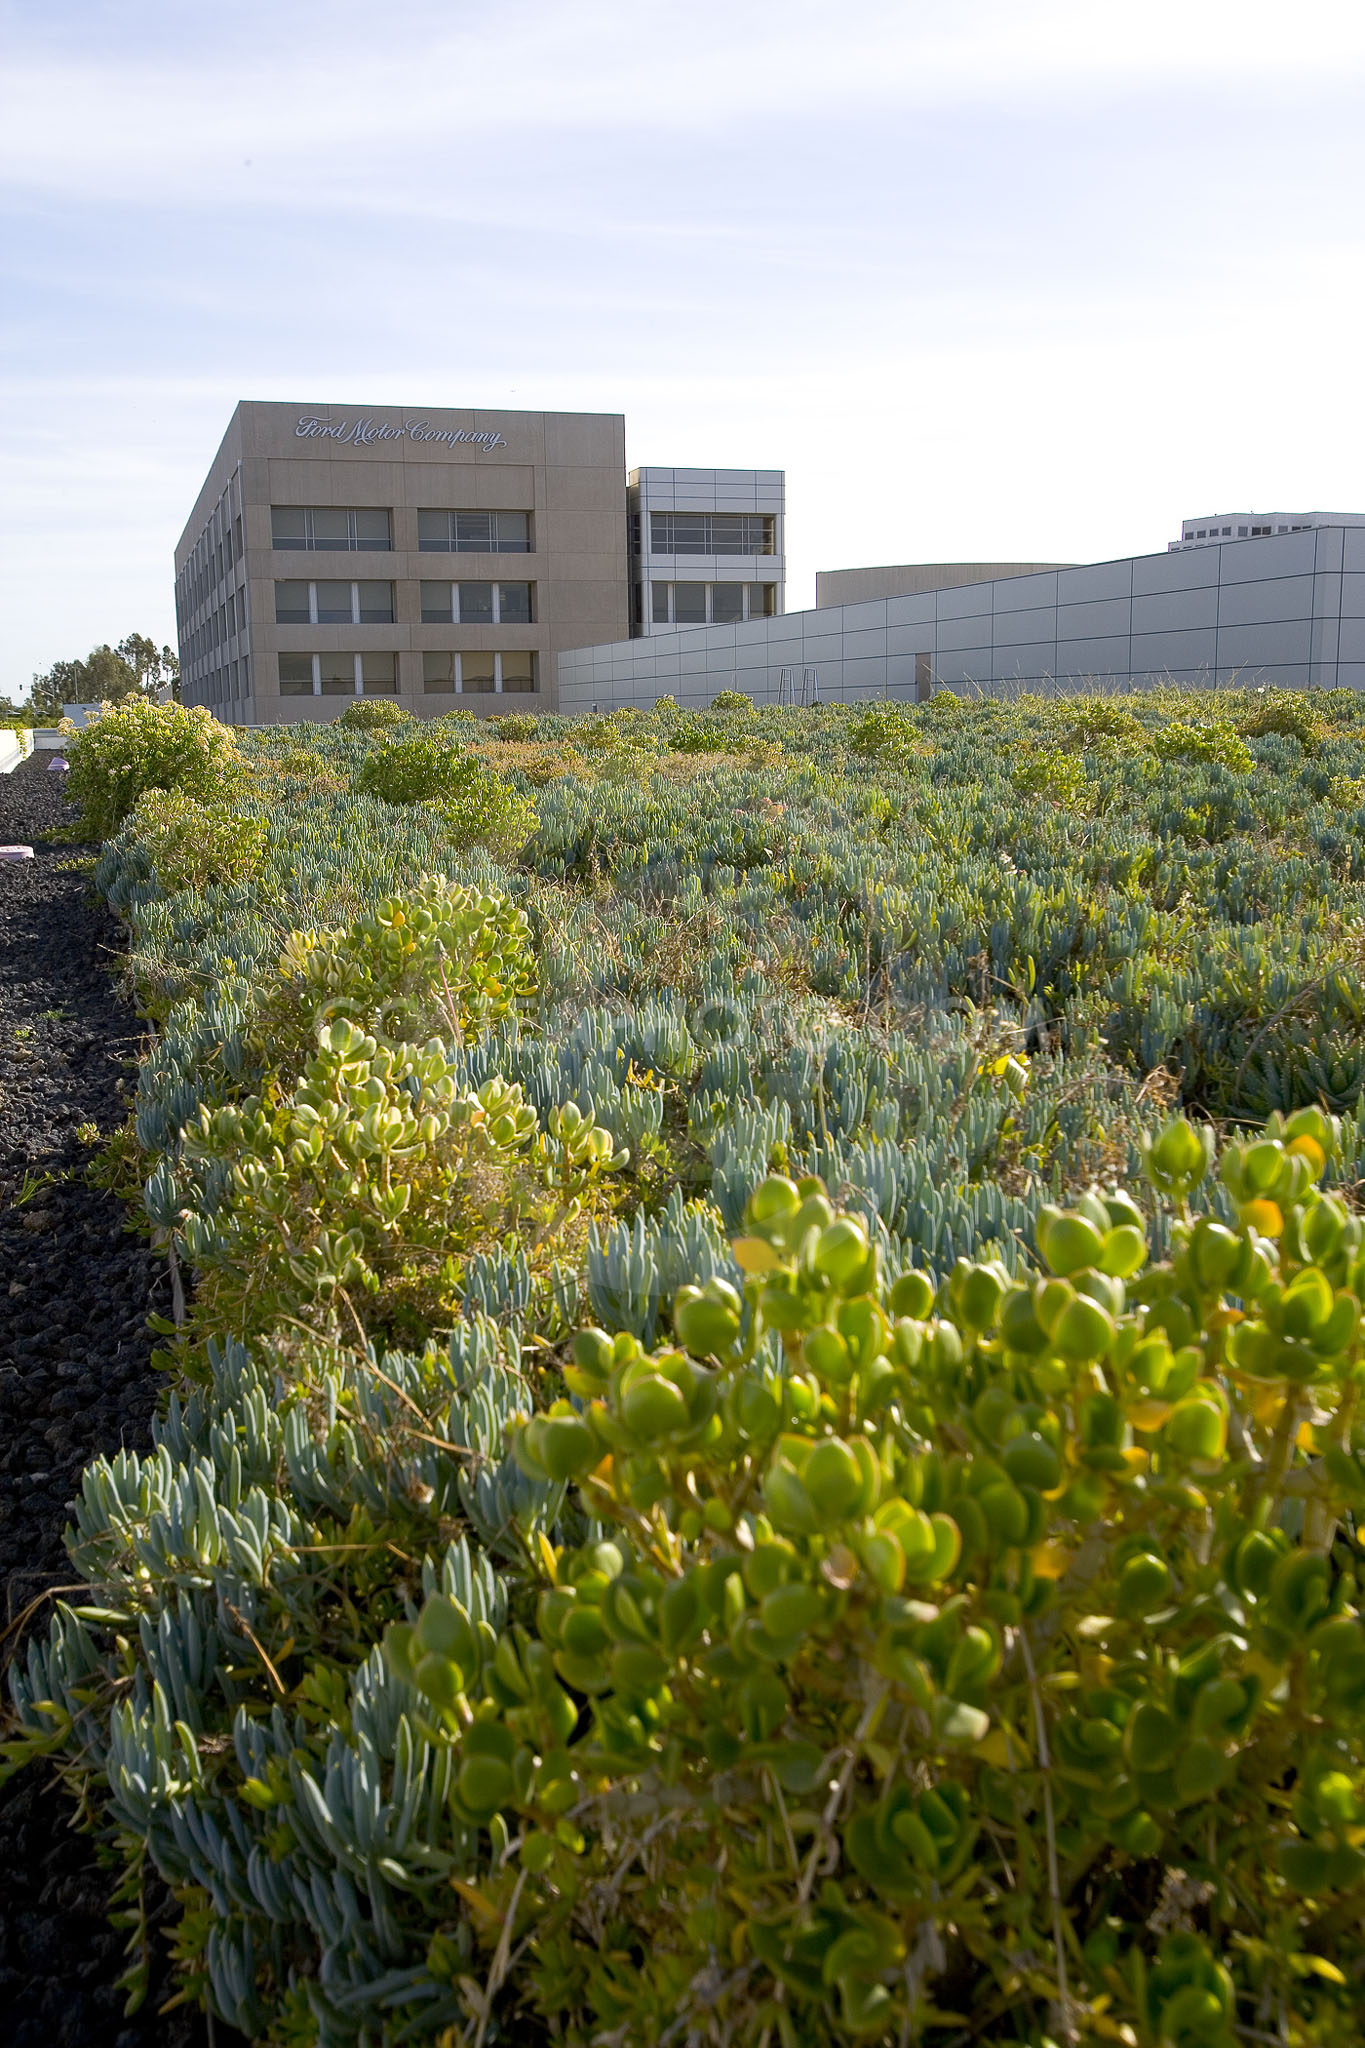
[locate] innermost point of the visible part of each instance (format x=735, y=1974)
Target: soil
x=76, y=1286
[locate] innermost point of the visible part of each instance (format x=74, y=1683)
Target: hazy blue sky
x=1031, y=279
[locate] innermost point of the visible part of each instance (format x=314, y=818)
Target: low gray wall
x=1288, y=610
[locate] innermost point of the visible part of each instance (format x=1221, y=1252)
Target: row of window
x=1243, y=532
x=708, y=604
x=218, y=628
x=339, y=529
x=376, y=675
x=368, y=603
x=212, y=557
x=712, y=533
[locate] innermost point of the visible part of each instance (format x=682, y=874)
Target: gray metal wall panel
x=1263, y=646
x=968, y=600
x=1174, y=611
x=1286, y=554
x=1279, y=597
x=1353, y=594
x=1099, y=657
x=911, y=611
x=1018, y=628
x=1094, y=620
x=1026, y=593
x=955, y=633
x=1097, y=580
x=1152, y=573
x=1189, y=651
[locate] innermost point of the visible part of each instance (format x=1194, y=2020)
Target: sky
x=989, y=281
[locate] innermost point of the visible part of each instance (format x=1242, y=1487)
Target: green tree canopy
x=137, y=667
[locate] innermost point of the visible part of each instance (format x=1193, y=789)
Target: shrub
x=1100, y=722
x=1049, y=773
x=193, y=845
x=922, y=1634
x=133, y=747
x=478, y=807
x=518, y=725
x=1286, y=712
x=1211, y=740
x=733, y=700
x=881, y=729
x=373, y=714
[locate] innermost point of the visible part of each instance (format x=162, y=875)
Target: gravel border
x=75, y=1380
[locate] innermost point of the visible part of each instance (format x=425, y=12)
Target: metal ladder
x=787, y=688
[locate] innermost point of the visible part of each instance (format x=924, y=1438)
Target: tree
x=135, y=668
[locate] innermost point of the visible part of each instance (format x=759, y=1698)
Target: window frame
x=499, y=544
x=353, y=544
x=457, y=656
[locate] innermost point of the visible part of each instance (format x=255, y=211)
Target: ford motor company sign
x=360, y=433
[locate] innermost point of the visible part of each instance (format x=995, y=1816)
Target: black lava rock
x=76, y=1286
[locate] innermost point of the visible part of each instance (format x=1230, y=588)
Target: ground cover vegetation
x=765, y=1445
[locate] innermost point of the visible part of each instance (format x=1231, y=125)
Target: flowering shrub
x=133, y=747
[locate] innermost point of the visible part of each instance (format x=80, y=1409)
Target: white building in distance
x=1210, y=528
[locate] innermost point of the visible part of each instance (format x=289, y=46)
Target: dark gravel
x=76, y=1286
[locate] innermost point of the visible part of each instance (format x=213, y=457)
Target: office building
x=1211, y=528
x=1286, y=609
x=443, y=558
x=707, y=547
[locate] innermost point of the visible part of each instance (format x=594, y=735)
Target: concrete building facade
x=1285, y=609
x=439, y=558
x=707, y=547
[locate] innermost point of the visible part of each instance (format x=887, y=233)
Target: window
x=1256, y=531
x=514, y=604
x=327, y=604
x=1202, y=534
x=712, y=533
x=330, y=528
x=334, y=604
x=1226, y=531
x=474, y=533
x=476, y=604
x=379, y=675
x=478, y=674
x=924, y=677
x=1241, y=533
x=692, y=604
x=518, y=673
x=336, y=673
x=296, y=675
